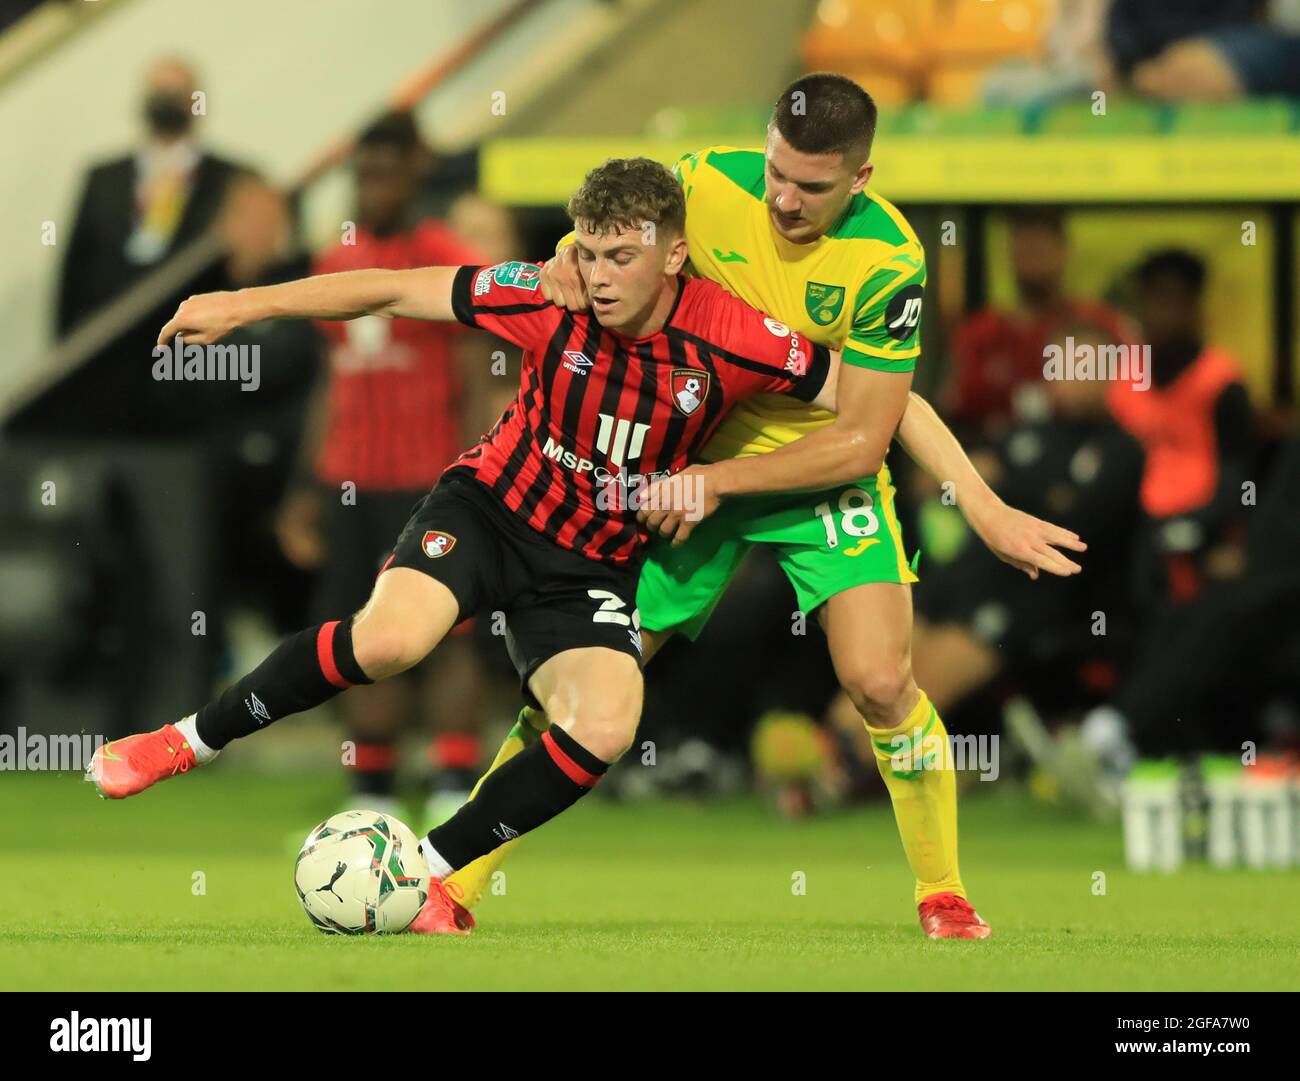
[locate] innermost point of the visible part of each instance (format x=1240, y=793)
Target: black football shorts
x=553, y=599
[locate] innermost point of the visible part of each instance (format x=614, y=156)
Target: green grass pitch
x=99, y=896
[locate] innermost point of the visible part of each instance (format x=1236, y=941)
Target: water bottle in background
x=1267, y=813
x=1194, y=801
x=1293, y=777
x=1222, y=777
x=1151, y=799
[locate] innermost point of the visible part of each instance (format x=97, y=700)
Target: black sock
x=532, y=788
x=303, y=671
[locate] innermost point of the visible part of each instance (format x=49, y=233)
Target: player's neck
x=656, y=316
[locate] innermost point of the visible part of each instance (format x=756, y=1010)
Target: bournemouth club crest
x=437, y=543
x=690, y=386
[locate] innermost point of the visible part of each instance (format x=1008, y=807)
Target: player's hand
x=1026, y=542
x=204, y=318
x=297, y=528
x=562, y=282
x=673, y=506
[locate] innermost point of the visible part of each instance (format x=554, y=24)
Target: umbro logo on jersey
x=436, y=543
x=504, y=832
x=257, y=708
x=577, y=363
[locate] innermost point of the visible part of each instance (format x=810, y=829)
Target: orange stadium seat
x=876, y=44
x=940, y=50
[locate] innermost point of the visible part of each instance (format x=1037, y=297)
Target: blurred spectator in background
x=1072, y=60
x=254, y=437
x=493, y=231
x=257, y=234
x=134, y=213
x=490, y=227
x=998, y=356
x=137, y=210
x=385, y=424
x=1205, y=50
x=1194, y=423
x=978, y=619
x=1205, y=670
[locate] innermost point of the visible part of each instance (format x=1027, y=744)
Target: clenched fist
x=562, y=282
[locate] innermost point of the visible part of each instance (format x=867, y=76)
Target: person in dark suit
x=135, y=212
x=138, y=209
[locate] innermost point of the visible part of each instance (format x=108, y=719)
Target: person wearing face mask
x=135, y=212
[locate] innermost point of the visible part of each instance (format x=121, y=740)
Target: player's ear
x=677, y=255
x=861, y=177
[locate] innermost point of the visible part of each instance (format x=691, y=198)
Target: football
x=361, y=873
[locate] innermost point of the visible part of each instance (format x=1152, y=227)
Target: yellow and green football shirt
x=857, y=288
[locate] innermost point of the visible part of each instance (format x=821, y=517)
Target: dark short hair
x=1176, y=263
x=626, y=193
x=395, y=130
x=1045, y=216
x=826, y=114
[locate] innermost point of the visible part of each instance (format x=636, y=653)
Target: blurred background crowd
x=156, y=536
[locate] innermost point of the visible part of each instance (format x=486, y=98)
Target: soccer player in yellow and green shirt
x=793, y=230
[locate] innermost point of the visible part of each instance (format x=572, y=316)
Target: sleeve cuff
x=462, y=295
x=807, y=388
x=878, y=364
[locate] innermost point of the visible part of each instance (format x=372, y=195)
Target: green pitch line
x=99, y=896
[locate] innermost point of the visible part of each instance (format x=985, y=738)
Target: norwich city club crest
x=824, y=302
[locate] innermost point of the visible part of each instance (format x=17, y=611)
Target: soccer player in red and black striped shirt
x=601, y=412
x=539, y=519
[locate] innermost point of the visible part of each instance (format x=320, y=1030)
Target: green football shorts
x=826, y=542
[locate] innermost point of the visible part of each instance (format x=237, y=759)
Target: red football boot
x=441, y=914
x=130, y=765
x=945, y=915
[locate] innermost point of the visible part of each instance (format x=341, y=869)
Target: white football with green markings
x=361, y=873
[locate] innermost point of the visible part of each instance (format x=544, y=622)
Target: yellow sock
x=467, y=884
x=915, y=761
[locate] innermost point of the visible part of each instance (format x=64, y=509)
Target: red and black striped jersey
x=395, y=396
x=598, y=414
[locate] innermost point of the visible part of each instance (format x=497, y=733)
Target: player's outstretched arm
x=868, y=406
x=1015, y=537
x=395, y=294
